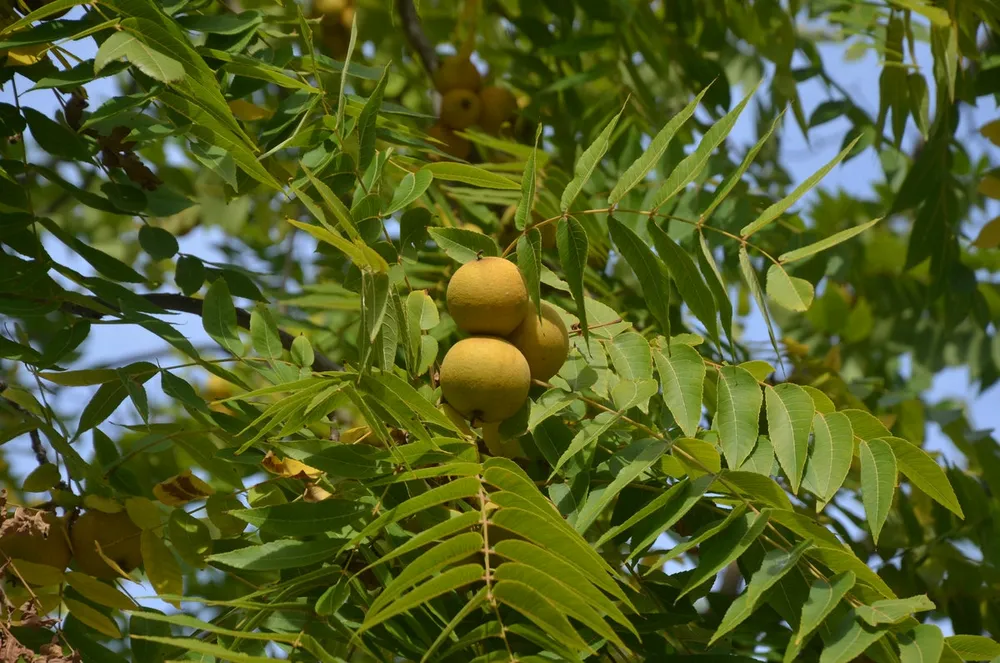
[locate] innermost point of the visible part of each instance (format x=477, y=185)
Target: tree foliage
x=296, y=488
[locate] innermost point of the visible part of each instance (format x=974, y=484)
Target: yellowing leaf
x=102, y=504
x=40, y=575
x=99, y=592
x=162, y=569
x=990, y=187
x=248, y=112
x=289, y=467
x=93, y=618
x=989, y=236
x=181, y=489
x=143, y=512
x=25, y=56
x=992, y=132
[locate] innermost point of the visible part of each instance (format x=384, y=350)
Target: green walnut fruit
x=487, y=296
x=52, y=549
x=115, y=533
x=544, y=342
x=486, y=379
x=500, y=446
x=457, y=73
x=454, y=145
x=460, y=109
x=498, y=105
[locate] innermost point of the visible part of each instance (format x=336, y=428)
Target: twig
x=415, y=35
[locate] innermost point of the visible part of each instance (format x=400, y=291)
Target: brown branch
x=415, y=35
x=194, y=306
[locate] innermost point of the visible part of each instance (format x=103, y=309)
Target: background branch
x=415, y=36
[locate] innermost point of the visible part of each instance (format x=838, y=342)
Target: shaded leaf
x=737, y=413
x=878, y=482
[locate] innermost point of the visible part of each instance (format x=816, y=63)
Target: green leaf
x=464, y=245
x=41, y=478
x=206, y=648
x=93, y=618
x=436, y=533
x=682, y=376
x=823, y=598
x=106, y=400
x=276, y=555
x=302, y=353
x=468, y=174
x=44, y=11
x=921, y=644
x=789, y=417
x=360, y=254
x=303, y=518
x=533, y=605
x=106, y=265
x=264, y=333
x=974, y=647
x=189, y=275
x=662, y=512
x=923, y=471
x=725, y=547
x=566, y=573
x=830, y=458
x=334, y=204
x=716, y=285
x=878, y=482
x=628, y=394
x=737, y=413
x=587, y=163
x=823, y=244
x=750, y=278
x=562, y=597
x=690, y=285
x=631, y=356
x=219, y=318
x=756, y=486
x=190, y=537
x=626, y=466
x=774, y=567
x=426, y=565
x=648, y=269
x=573, y=246
x=734, y=178
x=160, y=565
x=124, y=45
x=791, y=292
x=865, y=425
x=409, y=189
x=450, y=580
x=383, y=386
x=367, y=120
x=893, y=611
x=160, y=244
x=777, y=209
x=687, y=170
x=651, y=157
x=55, y=138
x=849, y=640
x=529, y=261
x=341, y=99
x=761, y=459
x=207, y=127
x=523, y=213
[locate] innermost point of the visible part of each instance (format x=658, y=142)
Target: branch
x=194, y=306
x=415, y=35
